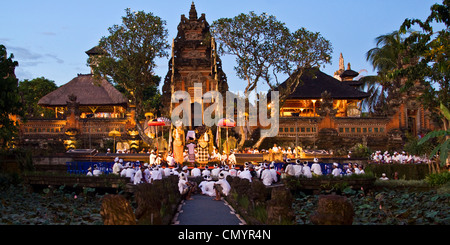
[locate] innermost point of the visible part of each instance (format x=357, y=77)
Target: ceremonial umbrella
x=226, y=123
x=114, y=134
x=156, y=123
x=167, y=121
x=164, y=119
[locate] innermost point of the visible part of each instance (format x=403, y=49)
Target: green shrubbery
x=405, y=171
x=256, y=203
x=438, y=179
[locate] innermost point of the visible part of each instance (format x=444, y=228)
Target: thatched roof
x=89, y=92
x=95, y=51
x=314, y=83
x=349, y=73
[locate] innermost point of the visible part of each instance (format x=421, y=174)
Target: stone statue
x=326, y=107
x=178, y=144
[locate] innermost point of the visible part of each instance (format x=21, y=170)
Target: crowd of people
x=214, y=177
x=402, y=158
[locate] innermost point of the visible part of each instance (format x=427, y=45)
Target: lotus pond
x=387, y=206
x=60, y=207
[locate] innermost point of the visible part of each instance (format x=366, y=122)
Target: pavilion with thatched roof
x=306, y=99
x=95, y=96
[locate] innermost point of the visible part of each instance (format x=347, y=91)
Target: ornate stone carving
x=326, y=107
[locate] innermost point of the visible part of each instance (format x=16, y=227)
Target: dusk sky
x=49, y=38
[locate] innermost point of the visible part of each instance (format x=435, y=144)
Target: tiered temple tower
x=194, y=60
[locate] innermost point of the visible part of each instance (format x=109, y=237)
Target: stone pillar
x=333, y=210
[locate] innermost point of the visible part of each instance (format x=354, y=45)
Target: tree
x=265, y=48
x=151, y=97
x=432, y=69
x=388, y=55
x=131, y=49
x=10, y=104
x=444, y=147
x=433, y=49
x=31, y=91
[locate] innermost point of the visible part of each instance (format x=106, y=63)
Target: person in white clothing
x=266, y=176
x=152, y=158
x=147, y=173
x=206, y=171
x=195, y=172
x=232, y=158
x=89, y=173
x=117, y=167
x=123, y=173
x=130, y=172
x=275, y=148
x=139, y=176
x=207, y=186
x=298, y=168
x=158, y=159
x=225, y=171
x=156, y=174
x=96, y=171
x=315, y=167
x=222, y=187
x=223, y=158
x=273, y=172
x=246, y=175
x=167, y=171
x=290, y=171
x=215, y=172
x=383, y=177
x=306, y=170
x=216, y=155
x=184, y=187
x=361, y=169
x=233, y=171
x=258, y=170
x=336, y=170
x=170, y=160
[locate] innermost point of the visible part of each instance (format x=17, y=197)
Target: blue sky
x=49, y=38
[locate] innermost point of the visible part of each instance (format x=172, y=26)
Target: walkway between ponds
x=203, y=210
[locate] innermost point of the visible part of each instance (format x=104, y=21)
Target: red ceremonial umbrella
x=226, y=123
x=156, y=123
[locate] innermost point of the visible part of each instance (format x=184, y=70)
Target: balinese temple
x=88, y=112
x=325, y=111
x=96, y=98
x=306, y=100
x=194, y=60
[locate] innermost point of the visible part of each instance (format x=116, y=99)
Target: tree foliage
x=432, y=47
x=264, y=48
x=431, y=44
x=9, y=98
x=131, y=49
x=31, y=91
x=388, y=56
x=444, y=147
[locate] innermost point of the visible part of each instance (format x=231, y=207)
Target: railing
x=82, y=167
x=361, y=126
x=346, y=127
x=96, y=126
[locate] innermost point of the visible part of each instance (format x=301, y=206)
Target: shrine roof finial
x=193, y=12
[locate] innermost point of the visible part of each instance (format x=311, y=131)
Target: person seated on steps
x=185, y=187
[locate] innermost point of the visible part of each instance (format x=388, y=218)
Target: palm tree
x=386, y=57
x=377, y=94
x=389, y=52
